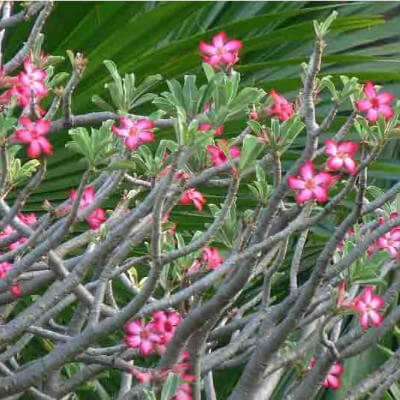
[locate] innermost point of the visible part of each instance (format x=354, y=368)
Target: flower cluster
x=97, y=217
x=29, y=87
x=316, y=186
x=222, y=53
x=155, y=335
x=134, y=133
x=282, y=108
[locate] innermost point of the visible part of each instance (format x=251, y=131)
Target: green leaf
x=170, y=386
x=251, y=149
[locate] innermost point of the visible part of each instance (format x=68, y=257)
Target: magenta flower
x=311, y=185
x=367, y=305
x=141, y=336
x=33, y=134
x=134, y=133
x=32, y=79
x=193, y=196
x=218, y=156
x=97, y=217
x=212, y=258
x=341, y=155
x=221, y=53
x=141, y=376
x=390, y=242
x=332, y=380
x=29, y=219
x=16, y=290
x=5, y=268
x=282, y=108
x=165, y=324
x=375, y=104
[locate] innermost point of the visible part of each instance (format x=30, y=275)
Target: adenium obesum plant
x=247, y=235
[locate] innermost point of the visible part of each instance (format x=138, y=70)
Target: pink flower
x=5, y=268
x=212, y=258
x=221, y=53
x=218, y=155
x=141, y=376
x=33, y=79
x=141, y=336
x=193, y=195
x=28, y=219
x=97, y=217
x=375, y=104
x=311, y=185
x=341, y=155
x=16, y=290
x=183, y=392
x=165, y=324
x=390, y=241
x=332, y=380
x=282, y=108
x=33, y=134
x=204, y=127
x=367, y=305
x=134, y=133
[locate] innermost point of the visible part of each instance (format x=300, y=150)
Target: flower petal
x=376, y=318
x=307, y=170
x=385, y=97
x=335, y=163
x=369, y=90
x=350, y=165
x=331, y=147
x=304, y=195
x=372, y=115
x=321, y=194
x=295, y=183
x=363, y=105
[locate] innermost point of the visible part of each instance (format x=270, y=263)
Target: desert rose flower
x=32, y=78
x=341, y=155
x=141, y=336
x=16, y=290
x=166, y=323
x=367, y=305
x=218, y=156
x=311, y=185
x=33, y=134
x=97, y=217
x=134, y=133
x=193, y=196
x=390, y=242
x=142, y=377
x=332, y=380
x=375, y=104
x=212, y=258
x=282, y=108
x=222, y=52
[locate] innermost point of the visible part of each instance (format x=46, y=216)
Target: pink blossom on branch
x=367, y=305
x=222, y=52
x=212, y=258
x=32, y=79
x=218, y=156
x=141, y=336
x=332, y=380
x=341, y=155
x=311, y=185
x=282, y=108
x=33, y=134
x=134, y=133
x=97, y=217
x=193, y=196
x=375, y=104
x=165, y=324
